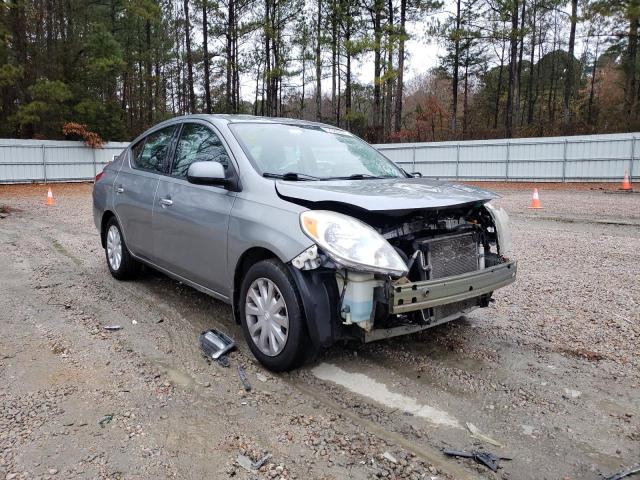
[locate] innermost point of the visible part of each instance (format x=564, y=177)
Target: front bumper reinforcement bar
x=431, y=293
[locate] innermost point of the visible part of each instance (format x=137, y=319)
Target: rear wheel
x=271, y=316
x=121, y=264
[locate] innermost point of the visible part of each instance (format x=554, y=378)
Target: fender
x=319, y=295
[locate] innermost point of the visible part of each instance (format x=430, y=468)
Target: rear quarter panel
x=103, y=189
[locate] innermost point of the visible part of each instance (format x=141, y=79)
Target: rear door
x=135, y=189
x=190, y=221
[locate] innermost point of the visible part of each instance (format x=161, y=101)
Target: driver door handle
x=166, y=202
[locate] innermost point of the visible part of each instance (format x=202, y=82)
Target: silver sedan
x=309, y=233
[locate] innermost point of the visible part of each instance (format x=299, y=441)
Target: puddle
x=177, y=377
x=367, y=387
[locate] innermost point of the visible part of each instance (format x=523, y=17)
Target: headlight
x=503, y=232
x=351, y=243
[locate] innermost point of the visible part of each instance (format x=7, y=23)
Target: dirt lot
x=551, y=370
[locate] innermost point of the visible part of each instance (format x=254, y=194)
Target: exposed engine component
x=439, y=245
x=357, y=297
x=434, y=245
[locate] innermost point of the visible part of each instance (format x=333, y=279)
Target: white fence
x=552, y=159
x=25, y=161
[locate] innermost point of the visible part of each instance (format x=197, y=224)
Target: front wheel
x=272, y=317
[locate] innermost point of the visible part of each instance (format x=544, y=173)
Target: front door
x=135, y=189
x=190, y=221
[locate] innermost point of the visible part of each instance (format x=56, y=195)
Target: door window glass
x=197, y=143
x=153, y=155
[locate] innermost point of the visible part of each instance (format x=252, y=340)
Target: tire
x=120, y=262
x=282, y=355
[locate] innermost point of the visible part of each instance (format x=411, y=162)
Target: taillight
x=98, y=176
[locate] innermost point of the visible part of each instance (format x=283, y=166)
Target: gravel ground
x=550, y=370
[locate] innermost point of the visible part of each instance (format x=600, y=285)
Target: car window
x=319, y=151
x=197, y=143
x=155, y=148
x=136, y=150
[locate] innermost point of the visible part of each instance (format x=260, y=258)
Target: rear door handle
x=119, y=189
x=166, y=202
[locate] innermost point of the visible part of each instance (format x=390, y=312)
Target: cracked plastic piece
x=215, y=343
x=307, y=260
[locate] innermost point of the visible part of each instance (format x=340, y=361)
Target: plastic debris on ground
x=390, y=457
x=112, y=328
x=487, y=459
x=625, y=473
x=216, y=344
x=243, y=379
x=475, y=433
x=251, y=466
x=104, y=420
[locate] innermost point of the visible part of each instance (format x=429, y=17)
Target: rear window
x=151, y=153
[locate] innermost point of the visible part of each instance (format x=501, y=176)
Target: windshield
x=309, y=152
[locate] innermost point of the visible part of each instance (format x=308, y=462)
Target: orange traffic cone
x=626, y=184
x=50, y=200
x=535, y=201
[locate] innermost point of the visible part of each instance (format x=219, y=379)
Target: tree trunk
x=593, y=83
x=377, y=68
x=568, y=81
x=530, y=98
x=513, y=59
x=456, y=65
x=389, y=87
x=229, y=60
x=334, y=54
x=319, y=62
x=465, y=101
x=521, y=52
x=496, y=110
x=630, y=64
x=187, y=38
x=266, y=90
x=205, y=52
x=148, y=74
x=347, y=86
x=399, y=85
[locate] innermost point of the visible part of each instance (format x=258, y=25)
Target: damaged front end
x=398, y=272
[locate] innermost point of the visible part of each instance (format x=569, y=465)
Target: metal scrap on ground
x=215, y=344
x=243, y=379
x=487, y=459
x=625, y=473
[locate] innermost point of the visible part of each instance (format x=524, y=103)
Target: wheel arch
x=106, y=216
x=248, y=258
x=317, y=290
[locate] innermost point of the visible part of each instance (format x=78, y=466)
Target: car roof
x=224, y=118
x=238, y=118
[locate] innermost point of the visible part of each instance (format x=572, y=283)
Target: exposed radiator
x=452, y=254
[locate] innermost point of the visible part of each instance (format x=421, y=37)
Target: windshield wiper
x=290, y=176
x=360, y=176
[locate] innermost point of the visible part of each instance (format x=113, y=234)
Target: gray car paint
x=258, y=217
x=385, y=194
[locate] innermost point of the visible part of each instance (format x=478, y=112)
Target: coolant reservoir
x=358, y=296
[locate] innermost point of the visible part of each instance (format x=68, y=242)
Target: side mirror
x=207, y=173
x=416, y=174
